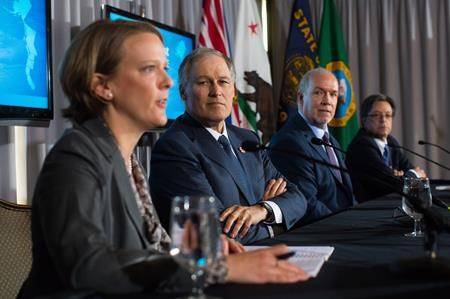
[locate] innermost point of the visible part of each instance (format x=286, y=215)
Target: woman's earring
x=109, y=95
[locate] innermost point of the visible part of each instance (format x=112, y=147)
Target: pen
x=440, y=203
x=287, y=255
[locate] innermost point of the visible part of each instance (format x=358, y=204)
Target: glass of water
x=419, y=189
x=195, y=236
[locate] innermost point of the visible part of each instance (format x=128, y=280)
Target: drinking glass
x=419, y=188
x=195, y=236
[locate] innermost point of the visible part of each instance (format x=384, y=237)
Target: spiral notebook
x=309, y=258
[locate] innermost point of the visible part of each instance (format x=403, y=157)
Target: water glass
x=195, y=237
x=419, y=189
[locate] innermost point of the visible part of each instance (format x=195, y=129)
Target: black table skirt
x=372, y=259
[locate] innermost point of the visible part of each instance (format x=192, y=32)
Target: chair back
x=15, y=247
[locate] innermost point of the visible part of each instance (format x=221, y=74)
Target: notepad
x=309, y=258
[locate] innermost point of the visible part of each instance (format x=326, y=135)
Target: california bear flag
x=254, y=107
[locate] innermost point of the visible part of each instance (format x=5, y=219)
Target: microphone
x=318, y=141
x=436, y=201
x=250, y=146
x=421, y=142
x=418, y=155
x=435, y=221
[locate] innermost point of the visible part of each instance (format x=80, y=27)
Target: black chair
x=15, y=247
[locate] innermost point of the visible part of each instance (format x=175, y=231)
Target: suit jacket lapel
x=309, y=135
x=109, y=148
x=127, y=194
x=247, y=164
x=346, y=182
x=211, y=148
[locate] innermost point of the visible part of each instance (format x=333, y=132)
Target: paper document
x=309, y=258
x=442, y=188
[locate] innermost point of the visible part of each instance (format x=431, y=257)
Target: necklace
x=129, y=165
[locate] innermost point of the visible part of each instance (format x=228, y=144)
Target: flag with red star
x=253, y=78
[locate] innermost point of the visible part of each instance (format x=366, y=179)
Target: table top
x=372, y=258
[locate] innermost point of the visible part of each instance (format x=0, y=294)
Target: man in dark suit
x=327, y=189
x=201, y=155
x=375, y=166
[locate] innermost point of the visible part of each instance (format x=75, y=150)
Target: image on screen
x=23, y=54
x=178, y=45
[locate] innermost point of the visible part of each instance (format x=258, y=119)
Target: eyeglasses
x=381, y=115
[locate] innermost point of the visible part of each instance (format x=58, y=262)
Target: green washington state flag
x=333, y=57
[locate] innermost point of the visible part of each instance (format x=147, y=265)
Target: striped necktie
x=332, y=157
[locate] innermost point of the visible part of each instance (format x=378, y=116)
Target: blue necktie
x=235, y=165
x=386, y=156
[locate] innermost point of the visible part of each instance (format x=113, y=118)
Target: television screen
x=25, y=63
x=178, y=45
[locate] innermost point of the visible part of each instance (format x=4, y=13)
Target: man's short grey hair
x=185, y=68
x=306, y=79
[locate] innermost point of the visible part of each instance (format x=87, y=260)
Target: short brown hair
x=368, y=102
x=184, y=71
x=96, y=49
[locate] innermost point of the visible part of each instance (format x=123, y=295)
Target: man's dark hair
x=368, y=102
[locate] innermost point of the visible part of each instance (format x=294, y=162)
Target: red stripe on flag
x=213, y=27
x=220, y=18
x=214, y=33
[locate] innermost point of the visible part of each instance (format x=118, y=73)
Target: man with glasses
x=373, y=159
x=309, y=166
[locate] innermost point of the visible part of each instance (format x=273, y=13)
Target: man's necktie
x=386, y=156
x=234, y=164
x=332, y=157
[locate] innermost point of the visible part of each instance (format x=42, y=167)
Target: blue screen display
x=23, y=54
x=177, y=46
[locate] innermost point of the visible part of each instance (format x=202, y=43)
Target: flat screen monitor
x=25, y=63
x=178, y=44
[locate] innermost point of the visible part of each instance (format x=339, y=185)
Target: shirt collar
x=318, y=132
x=381, y=144
x=216, y=134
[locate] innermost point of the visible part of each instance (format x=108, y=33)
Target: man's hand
x=270, y=269
x=242, y=218
x=274, y=188
x=230, y=246
x=398, y=172
x=420, y=172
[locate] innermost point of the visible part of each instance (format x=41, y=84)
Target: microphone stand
x=434, y=223
x=436, y=201
x=421, y=142
x=432, y=217
x=419, y=155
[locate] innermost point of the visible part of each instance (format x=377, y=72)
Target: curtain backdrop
x=397, y=47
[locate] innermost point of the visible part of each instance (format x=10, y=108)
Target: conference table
x=372, y=258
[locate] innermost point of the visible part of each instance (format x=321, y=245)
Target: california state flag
x=253, y=108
